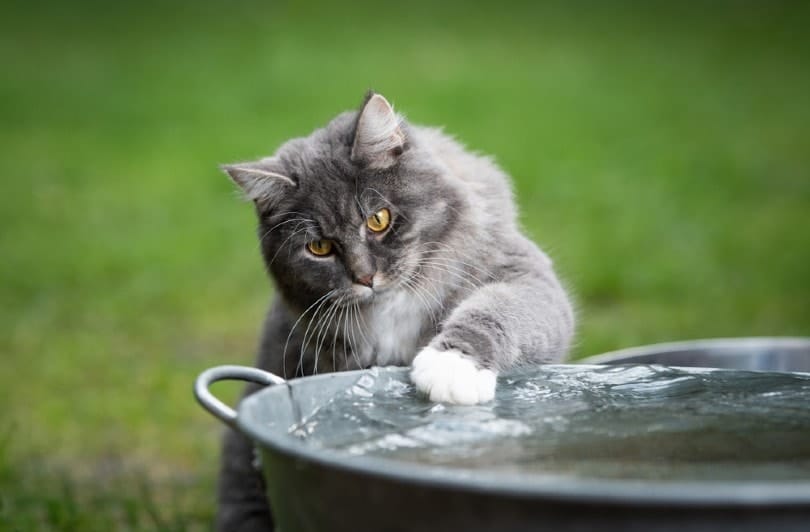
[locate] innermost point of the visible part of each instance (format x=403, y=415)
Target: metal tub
x=317, y=490
x=756, y=354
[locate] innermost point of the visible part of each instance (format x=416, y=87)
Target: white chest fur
x=396, y=323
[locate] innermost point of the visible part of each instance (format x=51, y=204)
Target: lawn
x=660, y=152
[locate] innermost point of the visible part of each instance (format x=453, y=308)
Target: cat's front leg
x=499, y=326
x=242, y=503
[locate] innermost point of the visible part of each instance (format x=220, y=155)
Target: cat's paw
x=451, y=377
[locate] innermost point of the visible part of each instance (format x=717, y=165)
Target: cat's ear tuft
x=259, y=180
x=378, y=138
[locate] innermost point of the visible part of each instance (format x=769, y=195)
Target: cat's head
x=352, y=209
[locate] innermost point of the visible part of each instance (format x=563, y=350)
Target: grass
x=660, y=153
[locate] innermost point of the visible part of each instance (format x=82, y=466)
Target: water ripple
x=635, y=421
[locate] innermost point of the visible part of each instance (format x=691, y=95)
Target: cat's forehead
x=339, y=192
x=325, y=151
x=335, y=214
x=344, y=203
x=328, y=180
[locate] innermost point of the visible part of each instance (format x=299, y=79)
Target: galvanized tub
x=756, y=354
x=316, y=489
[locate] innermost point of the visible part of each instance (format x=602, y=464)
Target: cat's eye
x=320, y=248
x=379, y=221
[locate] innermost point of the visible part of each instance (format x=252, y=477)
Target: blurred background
x=660, y=153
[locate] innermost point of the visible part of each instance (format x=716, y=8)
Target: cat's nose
x=365, y=280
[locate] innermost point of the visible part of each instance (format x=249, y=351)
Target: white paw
x=450, y=377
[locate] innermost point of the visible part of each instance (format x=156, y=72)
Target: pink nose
x=366, y=280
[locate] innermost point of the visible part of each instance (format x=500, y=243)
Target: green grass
x=660, y=152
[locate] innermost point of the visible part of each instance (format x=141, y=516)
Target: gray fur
x=454, y=248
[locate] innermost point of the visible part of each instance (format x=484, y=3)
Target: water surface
x=636, y=422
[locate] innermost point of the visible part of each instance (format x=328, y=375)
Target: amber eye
x=320, y=248
x=379, y=221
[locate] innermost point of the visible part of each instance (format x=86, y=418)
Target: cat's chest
x=397, y=325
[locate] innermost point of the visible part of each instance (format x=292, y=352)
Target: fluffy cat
x=389, y=244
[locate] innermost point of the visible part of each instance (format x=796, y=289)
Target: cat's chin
x=361, y=293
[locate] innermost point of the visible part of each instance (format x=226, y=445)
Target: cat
x=390, y=244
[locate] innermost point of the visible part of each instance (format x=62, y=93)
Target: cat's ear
x=378, y=139
x=259, y=180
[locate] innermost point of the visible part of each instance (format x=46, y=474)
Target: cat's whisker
x=350, y=330
x=285, y=222
x=346, y=334
x=305, y=341
x=455, y=250
x=290, y=247
x=300, y=218
x=358, y=202
x=292, y=329
x=356, y=324
x=295, y=232
x=452, y=258
x=319, y=331
x=285, y=213
x=408, y=283
x=414, y=279
x=323, y=334
x=355, y=310
x=456, y=255
x=386, y=200
x=438, y=266
x=410, y=287
x=360, y=327
x=267, y=234
x=337, y=330
x=458, y=263
x=430, y=290
x=448, y=261
x=460, y=273
x=300, y=221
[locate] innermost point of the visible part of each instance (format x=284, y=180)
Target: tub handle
x=221, y=373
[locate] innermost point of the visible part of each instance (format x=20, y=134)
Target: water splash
x=639, y=421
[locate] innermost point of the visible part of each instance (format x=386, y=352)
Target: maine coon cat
x=389, y=244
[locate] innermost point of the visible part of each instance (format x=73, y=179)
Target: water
x=635, y=422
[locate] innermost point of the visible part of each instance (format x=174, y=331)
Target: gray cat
x=390, y=244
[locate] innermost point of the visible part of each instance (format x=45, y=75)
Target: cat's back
x=484, y=184
x=491, y=221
